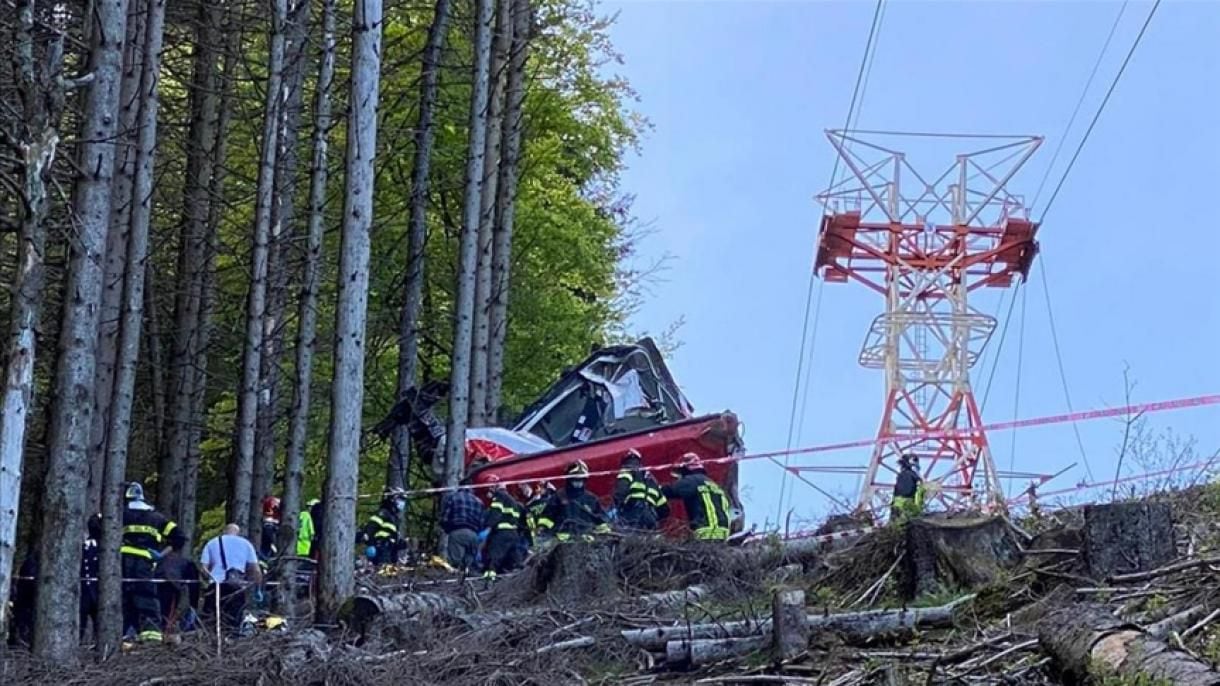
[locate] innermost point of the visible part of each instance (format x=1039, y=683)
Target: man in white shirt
x=233, y=564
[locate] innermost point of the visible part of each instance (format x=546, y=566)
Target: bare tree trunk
x=506, y=204
x=417, y=238
x=205, y=101
x=41, y=97
x=198, y=407
x=307, y=317
x=487, y=215
x=118, y=429
x=459, y=388
x=347, y=391
x=156, y=374
x=240, y=509
x=116, y=245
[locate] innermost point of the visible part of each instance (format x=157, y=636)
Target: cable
x=1067, y=395
x=813, y=344
x=1016, y=401
x=1100, y=108
x=995, y=362
x=861, y=77
x=1072, y=120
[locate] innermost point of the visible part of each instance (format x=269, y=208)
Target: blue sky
x=740, y=94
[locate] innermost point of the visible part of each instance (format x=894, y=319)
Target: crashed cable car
x=620, y=397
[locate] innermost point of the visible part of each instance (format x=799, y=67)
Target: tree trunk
x=698, y=652
x=282, y=231
x=116, y=245
x=347, y=390
x=459, y=388
x=1087, y=641
x=207, y=294
x=487, y=214
x=417, y=236
x=118, y=429
x=241, y=478
x=156, y=378
x=307, y=314
x=506, y=204
x=201, y=150
x=789, y=630
x=40, y=96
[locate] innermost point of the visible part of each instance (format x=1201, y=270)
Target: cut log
x=852, y=626
x=1088, y=642
x=1124, y=538
x=1177, y=622
x=699, y=652
x=674, y=598
x=789, y=631
x=364, y=608
x=958, y=552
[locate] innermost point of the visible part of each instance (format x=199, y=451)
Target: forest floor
x=963, y=600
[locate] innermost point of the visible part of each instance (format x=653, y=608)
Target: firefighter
x=536, y=502
x=637, y=496
x=707, y=506
x=574, y=512
x=908, y=490
x=507, y=526
x=380, y=534
x=306, y=534
x=147, y=536
x=271, y=527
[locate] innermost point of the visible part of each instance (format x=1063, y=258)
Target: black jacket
x=506, y=514
x=573, y=512
x=706, y=503
x=148, y=530
x=906, y=484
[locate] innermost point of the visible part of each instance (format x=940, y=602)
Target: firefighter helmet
x=690, y=462
x=271, y=508
x=630, y=456
x=577, y=469
x=135, y=491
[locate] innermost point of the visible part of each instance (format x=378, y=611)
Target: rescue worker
x=707, y=506
x=271, y=527
x=380, y=534
x=305, y=529
x=574, y=512
x=507, y=526
x=908, y=490
x=637, y=496
x=536, y=502
x=147, y=536
x=90, y=567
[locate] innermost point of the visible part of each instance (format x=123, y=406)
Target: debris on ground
x=1078, y=596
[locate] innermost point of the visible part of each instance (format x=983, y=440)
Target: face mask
x=577, y=484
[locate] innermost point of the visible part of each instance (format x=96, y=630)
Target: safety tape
x=159, y=581
x=835, y=536
x=1081, y=416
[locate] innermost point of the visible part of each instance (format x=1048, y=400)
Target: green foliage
x=572, y=229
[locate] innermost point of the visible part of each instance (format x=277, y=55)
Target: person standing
x=232, y=562
x=574, y=512
x=707, y=506
x=271, y=527
x=507, y=526
x=637, y=496
x=462, y=516
x=147, y=536
x=908, y=490
x=381, y=532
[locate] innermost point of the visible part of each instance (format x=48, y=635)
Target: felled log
x=699, y=652
x=853, y=626
x=674, y=598
x=1124, y=538
x=581, y=642
x=363, y=608
x=1088, y=642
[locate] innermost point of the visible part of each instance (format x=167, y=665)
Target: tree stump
x=790, y=632
x=1120, y=538
x=960, y=553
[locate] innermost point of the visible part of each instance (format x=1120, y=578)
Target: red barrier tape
x=1082, y=416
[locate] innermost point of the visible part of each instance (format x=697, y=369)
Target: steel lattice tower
x=926, y=246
